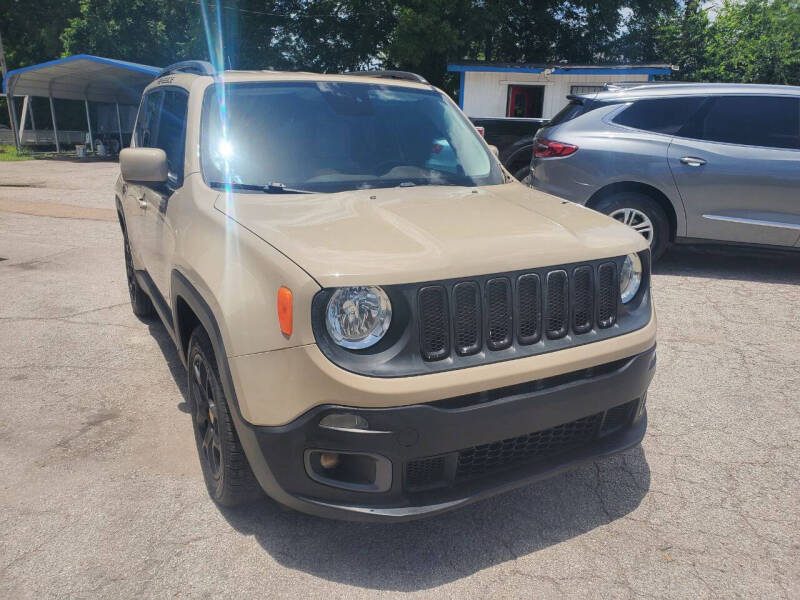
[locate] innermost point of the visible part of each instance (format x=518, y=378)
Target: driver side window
x=147, y=122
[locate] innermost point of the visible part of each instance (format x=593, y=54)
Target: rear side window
x=660, y=115
x=575, y=108
x=769, y=121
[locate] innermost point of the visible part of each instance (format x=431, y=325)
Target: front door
x=134, y=193
x=737, y=167
x=158, y=237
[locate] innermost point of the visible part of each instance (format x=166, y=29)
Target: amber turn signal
x=285, y=310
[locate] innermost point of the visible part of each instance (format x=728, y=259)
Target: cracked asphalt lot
x=101, y=493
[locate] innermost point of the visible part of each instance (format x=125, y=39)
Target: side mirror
x=494, y=150
x=143, y=165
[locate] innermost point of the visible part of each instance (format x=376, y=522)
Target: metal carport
x=80, y=77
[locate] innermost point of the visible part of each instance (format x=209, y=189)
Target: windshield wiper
x=270, y=188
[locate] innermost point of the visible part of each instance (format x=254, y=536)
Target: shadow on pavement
x=731, y=262
x=423, y=554
x=420, y=555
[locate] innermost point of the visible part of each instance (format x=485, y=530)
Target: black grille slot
x=607, y=294
x=467, y=318
x=487, y=458
x=498, y=310
x=582, y=300
x=434, y=322
x=529, y=327
x=425, y=472
x=556, y=311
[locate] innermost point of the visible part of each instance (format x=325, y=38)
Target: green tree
x=756, y=41
x=146, y=31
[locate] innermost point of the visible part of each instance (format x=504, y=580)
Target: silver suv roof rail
x=195, y=67
x=626, y=85
x=402, y=75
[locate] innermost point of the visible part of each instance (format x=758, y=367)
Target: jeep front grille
x=534, y=308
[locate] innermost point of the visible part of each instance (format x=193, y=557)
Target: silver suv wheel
x=636, y=219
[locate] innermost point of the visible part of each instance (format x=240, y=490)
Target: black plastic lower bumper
x=450, y=453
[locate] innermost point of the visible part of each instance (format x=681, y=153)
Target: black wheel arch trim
x=183, y=288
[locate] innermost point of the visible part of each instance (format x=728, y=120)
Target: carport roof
x=82, y=77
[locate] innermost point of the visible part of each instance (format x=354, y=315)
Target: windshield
x=329, y=136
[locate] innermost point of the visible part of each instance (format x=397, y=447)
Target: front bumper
x=467, y=448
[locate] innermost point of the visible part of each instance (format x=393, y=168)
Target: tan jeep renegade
x=377, y=320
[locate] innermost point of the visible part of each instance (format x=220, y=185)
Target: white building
x=537, y=90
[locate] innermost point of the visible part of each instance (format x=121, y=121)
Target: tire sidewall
x=646, y=205
x=201, y=346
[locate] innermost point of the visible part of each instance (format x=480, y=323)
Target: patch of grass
x=9, y=154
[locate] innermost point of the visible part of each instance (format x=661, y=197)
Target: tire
x=141, y=304
x=522, y=173
x=228, y=476
x=631, y=206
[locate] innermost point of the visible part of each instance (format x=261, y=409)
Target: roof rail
x=402, y=75
x=626, y=85
x=196, y=67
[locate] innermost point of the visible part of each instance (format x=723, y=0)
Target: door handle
x=693, y=161
x=142, y=202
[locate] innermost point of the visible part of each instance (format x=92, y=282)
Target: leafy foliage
x=756, y=42
x=743, y=40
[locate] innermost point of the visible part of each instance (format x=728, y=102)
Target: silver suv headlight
x=630, y=278
x=358, y=317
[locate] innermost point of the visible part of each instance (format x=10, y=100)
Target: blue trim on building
x=482, y=69
x=612, y=71
x=461, y=81
x=146, y=69
x=562, y=70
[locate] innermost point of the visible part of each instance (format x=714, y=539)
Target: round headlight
x=358, y=317
x=630, y=278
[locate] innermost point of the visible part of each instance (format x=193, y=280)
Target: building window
x=582, y=90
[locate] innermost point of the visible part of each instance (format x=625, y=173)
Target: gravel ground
x=101, y=493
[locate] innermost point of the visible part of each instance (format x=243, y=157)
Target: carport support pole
x=33, y=121
x=55, y=127
x=14, y=122
x=119, y=127
x=89, y=124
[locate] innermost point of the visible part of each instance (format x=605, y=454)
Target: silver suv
x=681, y=161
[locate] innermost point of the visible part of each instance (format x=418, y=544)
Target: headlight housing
x=358, y=317
x=630, y=278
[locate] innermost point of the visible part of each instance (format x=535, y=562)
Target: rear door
x=158, y=235
x=737, y=167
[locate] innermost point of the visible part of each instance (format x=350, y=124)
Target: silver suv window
x=769, y=121
x=660, y=115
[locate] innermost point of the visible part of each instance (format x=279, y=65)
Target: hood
x=417, y=234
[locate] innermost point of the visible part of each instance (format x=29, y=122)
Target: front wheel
x=228, y=476
x=641, y=213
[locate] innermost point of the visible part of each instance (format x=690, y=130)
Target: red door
x=525, y=101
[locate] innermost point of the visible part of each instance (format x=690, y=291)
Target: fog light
x=354, y=471
x=329, y=460
x=343, y=421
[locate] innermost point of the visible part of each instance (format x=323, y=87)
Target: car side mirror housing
x=143, y=165
x=494, y=150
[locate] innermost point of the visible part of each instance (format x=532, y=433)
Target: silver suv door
x=737, y=168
